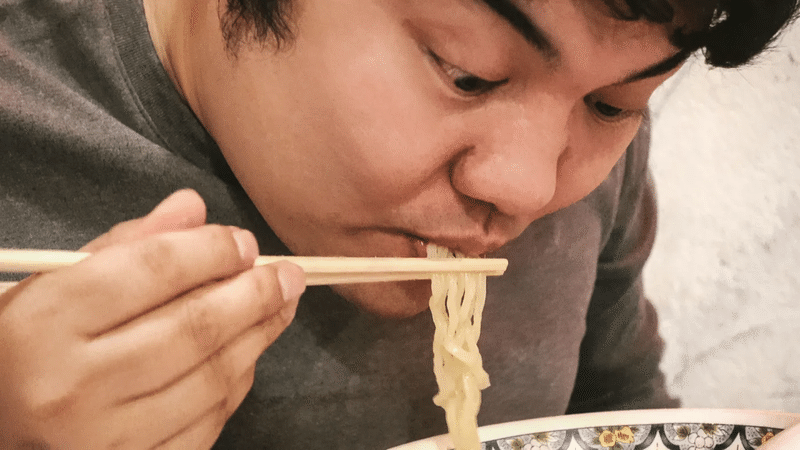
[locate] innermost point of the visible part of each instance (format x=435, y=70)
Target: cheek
x=593, y=151
x=384, y=127
x=359, y=128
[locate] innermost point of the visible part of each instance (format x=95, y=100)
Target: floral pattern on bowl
x=665, y=429
x=671, y=436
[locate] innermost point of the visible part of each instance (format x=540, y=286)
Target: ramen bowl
x=665, y=429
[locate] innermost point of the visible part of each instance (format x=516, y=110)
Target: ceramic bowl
x=666, y=429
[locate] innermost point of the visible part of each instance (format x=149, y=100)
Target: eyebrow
x=538, y=38
x=523, y=24
x=660, y=68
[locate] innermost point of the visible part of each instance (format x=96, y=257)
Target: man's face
x=390, y=123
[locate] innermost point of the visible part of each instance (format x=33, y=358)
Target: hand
x=151, y=342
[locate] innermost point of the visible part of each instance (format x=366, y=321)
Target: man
x=348, y=128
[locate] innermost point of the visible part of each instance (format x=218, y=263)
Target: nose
x=513, y=158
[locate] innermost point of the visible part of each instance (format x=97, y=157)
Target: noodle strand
x=456, y=305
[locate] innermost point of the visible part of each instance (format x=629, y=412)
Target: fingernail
x=292, y=280
x=247, y=245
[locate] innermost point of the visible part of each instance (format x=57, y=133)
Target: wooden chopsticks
x=319, y=269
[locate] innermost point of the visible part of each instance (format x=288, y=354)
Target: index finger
x=182, y=210
x=122, y=282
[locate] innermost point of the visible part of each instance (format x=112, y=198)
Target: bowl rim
x=745, y=417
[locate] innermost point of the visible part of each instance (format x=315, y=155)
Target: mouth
x=419, y=246
x=469, y=246
x=412, y=243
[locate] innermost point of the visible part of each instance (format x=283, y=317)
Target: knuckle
x=247, y=379
x=219, y=382
x=46, y=386
x=48, y=398
x=220, y=233
x=264, y=286
x=220, y=239
x=258, y=286
x=227, y=381
x=158, y=256
x=17, y=331
x=223, y=411
x=243, y=385
x=39, y=304
x=201, y=327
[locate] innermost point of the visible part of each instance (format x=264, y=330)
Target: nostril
x=478, y=211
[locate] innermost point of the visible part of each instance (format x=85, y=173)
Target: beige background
x=725, y=275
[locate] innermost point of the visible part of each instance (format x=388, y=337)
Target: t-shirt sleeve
x=622, y=349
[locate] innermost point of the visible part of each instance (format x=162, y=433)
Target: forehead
x=588, y=35
x=673, y=14
x=601, y=18
x=552, y=24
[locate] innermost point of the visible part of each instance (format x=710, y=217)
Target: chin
x=392, y=299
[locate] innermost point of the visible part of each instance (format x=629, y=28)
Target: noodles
x=456, y=306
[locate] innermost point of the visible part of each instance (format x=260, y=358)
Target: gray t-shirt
x=92, y=132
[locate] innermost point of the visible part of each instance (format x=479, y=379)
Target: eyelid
x=448, y=68
x=591, y=101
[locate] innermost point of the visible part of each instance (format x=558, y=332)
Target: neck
x=171, y=24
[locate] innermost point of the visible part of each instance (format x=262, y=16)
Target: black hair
x=730, y=33
x=257, y=21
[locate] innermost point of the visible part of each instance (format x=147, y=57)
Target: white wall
x=725, y=274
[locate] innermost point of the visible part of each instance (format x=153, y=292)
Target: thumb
x=182, y=210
